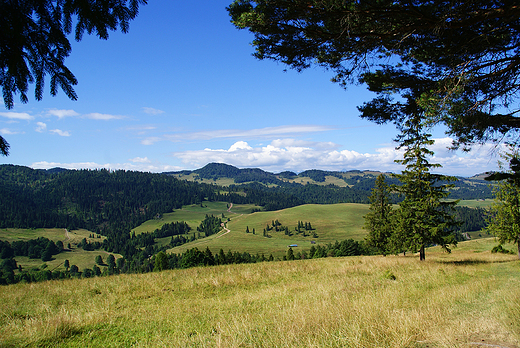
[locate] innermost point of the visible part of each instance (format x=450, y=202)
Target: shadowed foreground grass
x=455, y=300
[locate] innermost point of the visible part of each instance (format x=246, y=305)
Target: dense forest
x=111, y=203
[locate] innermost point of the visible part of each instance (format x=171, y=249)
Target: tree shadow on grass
x=471, y=262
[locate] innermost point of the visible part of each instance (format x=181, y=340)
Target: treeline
x=41, y=248
x=162, y=261
x=38, y=274
x=96, y=200
x=102, y=200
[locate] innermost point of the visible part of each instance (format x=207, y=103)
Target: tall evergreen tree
x=378, y=222
x=161, y=262
x=290, y=254
x=504, y=217
x=423, y=217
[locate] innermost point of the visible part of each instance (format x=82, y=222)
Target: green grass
x=465, y=299
x=194, y=214
x=474, y=203
x=79, y=257
x=334, y=222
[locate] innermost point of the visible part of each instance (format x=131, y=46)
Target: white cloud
x=62, y=113
x=140, y=160
x=103, y=117
x=17, y=115
x=40, y=127
x=60, y=132
x=150, y=140
x=5, y=131
x=295, y=155
x=291, y=130
x=152, y=111
x=141, y=167
x=240, y=145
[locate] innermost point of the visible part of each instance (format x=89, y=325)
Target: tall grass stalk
x=447, y=301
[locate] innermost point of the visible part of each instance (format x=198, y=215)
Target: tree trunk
x=518, y=245
x=422, y=255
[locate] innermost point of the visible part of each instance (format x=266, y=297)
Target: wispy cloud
x=140, y=160
x=62, y=113
x=60, y=132
x=291, y=130
x=40, y=127
x=103, y=117
x=5, y=131
x=152, y=111
x=17, y=116
x=150, y=140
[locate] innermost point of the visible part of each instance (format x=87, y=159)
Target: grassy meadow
x=194, y=214
x=332, y=222
x=76, y=256
x=469, y=298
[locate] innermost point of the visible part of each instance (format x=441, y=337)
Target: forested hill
x=91, y=199
x=359, y=182
x=103, y=201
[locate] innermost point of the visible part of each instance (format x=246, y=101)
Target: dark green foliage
x=379, y=222
x=161, y=262
x=500, y=249
x=290, y=254
x=211, y=225
x=111, y=265
x=86, y=245
x=87, y=273
x=460, y=58
x=172, y=229
x=504, y=216
x=472, y=219
x=35, y=42
x=33, y=248
x=194, y=257
x=216, y=171
x=99, y=260
x=424, y=217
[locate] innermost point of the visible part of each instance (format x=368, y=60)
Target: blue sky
x=181, y=89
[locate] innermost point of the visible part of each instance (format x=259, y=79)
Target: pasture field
x=469, y=298
x=76, y=256
x=476, y=203
x=194, y=214
x=332, y=222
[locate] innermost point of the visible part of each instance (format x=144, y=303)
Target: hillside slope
x=465, y=299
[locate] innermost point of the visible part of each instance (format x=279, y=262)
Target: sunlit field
x=461, y=299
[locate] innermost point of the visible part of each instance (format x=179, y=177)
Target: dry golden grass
x=455, y=300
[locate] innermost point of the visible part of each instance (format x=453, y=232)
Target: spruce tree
x=378, y=222
x=504, y=217
x=290, y=254
x=424, y=216
x=161, y=262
